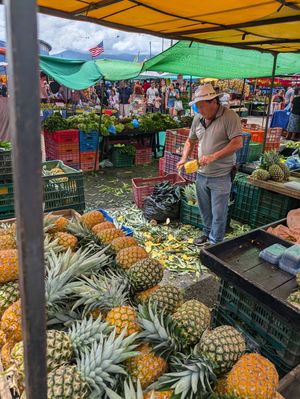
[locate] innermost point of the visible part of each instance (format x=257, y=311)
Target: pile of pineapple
x=294, y=298
x=272, y=167
x=115, y=332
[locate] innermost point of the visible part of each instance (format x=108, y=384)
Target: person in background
x=146, y=85
x=151, y=94
x=138, y=99
x=114, y=99
x=288, y=96
x=3, y=89
x=138, y=89
x=225, y=99
x=162, y=92
x=157, y=103
x=125, y=93
x=171, y=96
x=43, y=89
x=277, y=101
x=219, y=134
x=293, y=127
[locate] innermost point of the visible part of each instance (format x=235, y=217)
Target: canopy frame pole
x=21, y=26
x=242, y=97
x=100, y=121
x=275, y=55
x=191, y=93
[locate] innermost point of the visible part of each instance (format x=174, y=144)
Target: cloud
x=63, y=34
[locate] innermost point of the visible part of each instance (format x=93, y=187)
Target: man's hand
x=181, y=163
x=207, y=159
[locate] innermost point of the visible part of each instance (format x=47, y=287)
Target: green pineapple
x=167, y=298
x=223, y=345
x=285, y=170
x=192, y=319
x=261, y=174
x=294, y=299
x=145, y=274
x=276, y=173
x=9, y=293
x=190, y=194
x=270, y=158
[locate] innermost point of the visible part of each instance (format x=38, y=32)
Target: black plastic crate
x=5, y=167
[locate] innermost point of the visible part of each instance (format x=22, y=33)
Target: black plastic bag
x=163, y=203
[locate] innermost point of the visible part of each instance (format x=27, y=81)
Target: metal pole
x=270, y=99
x=23, y=61
x=150, y=49
x=162, y=44
x=100, y=121
x=242, y=97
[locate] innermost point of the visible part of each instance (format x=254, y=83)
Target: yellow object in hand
x=191, y=166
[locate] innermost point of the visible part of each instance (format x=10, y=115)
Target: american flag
x=99, y=49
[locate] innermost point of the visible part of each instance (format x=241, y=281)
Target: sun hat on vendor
x=205, y=93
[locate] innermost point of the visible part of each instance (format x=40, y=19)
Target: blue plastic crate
x=126, y=230
x=88, y=141
x=242, y=154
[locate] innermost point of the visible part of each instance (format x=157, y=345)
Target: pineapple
x=190, y=194
x=6, y=353
x=146, y=366
x=122, y=243
x=7, y=242
x=167, y=298
x=8, y=265
x=191, y=166
x=54, y=224
x=270, y=158
x=11, y=322
x=90, y=219
x=276, y=173
x=298, y=279
x=223, y=345
x=127, y=257
x=143, y=296
x=96, y=369
x=159, y=395
x=131, y=393
x=253, y=377
x=107, y=236
x=66, y=240
x=145, y=274
x=123, y=317
x=86, y=238
x=9, y=293
x=192, y=319
x=294, y=298
x=103, y=226
x=220, y=386
x=261, y=174
x=2, y=338
x=285, y=170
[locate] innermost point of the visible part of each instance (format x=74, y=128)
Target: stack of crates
x=63, y=145
x=89, y=151
x=258, y=134
x=6, y=186
x=257, y=206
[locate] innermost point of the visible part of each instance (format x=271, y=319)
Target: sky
x=63, y=34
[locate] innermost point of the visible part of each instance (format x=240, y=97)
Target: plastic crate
x=70, y=136
x=65, y=152
x=171, y=161
x=63, y=191
x=120, y=160
x=88, y=161
x=143, y=187
x=242, y=154
x=6, y=198
x=175, y=140
x=276, y=333
x=88, y=141
x=161, y=166
x=6, y=167
x=190, y=214
x=143, y=156
x=254, y=152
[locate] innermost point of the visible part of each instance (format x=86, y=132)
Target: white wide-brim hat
x=204, y=93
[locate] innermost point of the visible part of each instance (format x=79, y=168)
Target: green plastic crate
x=273, y=332
x=63, y=191
x=120, y=160
x=6, y=200
x=5, y=167
x=255, y=151
x=190, y=214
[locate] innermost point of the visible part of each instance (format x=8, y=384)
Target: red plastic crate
x=272, y=146
x=171, y=161
x=161, y=166
x=257, y=135
x=143, y=155
x=143, y=187
x=70, y=136
x=88, y=161
x=175, y=140
x=62, y=152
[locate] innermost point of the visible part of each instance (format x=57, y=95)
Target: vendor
x=218, y=130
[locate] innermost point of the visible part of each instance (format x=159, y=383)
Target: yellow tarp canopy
x=272, y=25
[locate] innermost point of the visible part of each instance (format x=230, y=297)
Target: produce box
x=70, y=136
x=6, y=200
x=88, y=141
x=143, y=187
x=255, y=151
x=242, y=154
x=175, y=140
x=120, y=160
x=143, y=155
x=88, y=161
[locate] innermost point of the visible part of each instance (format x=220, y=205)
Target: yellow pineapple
x=123, y=317
x=158, y=395
x=66, y=240
x=11, y=322
x=278, y=396
x=2, y=338
x=60, y=224
x=147, y=366
x=7, y=242
x=191, y=166
x=8, y=265
x=143, y=296
x=103, y=226
x=5, y=353
x=221, y=384
x=252, y=377
x=90, y=219
x=123, y=242
x=127, y=257
x=107, y=236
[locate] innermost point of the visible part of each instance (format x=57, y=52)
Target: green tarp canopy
x=221, y=62
x=75, y=74
x=118, y=70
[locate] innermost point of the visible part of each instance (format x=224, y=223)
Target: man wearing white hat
x=219, y=133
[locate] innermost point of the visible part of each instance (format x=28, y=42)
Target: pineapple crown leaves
x=192, y=377
x=51, y=245
x=102, y=363
x=190, y=193
x=130, y=392
x=83, y=333
x=159, y=330
x=102, y=292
